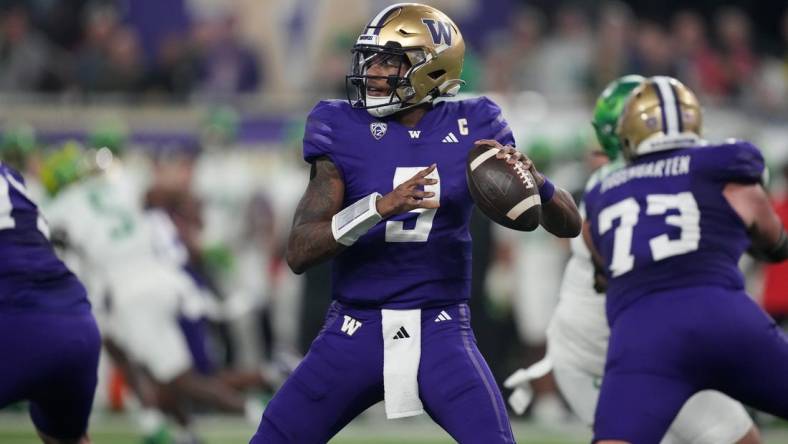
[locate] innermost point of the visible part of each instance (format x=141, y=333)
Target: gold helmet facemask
x=423, y=36
x=661, y=114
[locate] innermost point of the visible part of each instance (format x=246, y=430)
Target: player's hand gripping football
x=409, y=195
x=513, y=156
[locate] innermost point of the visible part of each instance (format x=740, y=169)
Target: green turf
x=15, y=428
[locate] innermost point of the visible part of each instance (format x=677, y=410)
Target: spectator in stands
x=566, y=54
x=514, y=53
x=615, y=33
x=700, y=66
x=740, y=61
x=174, y=73
x=124, y=69
x=226, y=65
x=655, y=51
x=24, y=52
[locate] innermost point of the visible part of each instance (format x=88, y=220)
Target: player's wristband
x=546, y=191
x=780, y=251
x=355, y=220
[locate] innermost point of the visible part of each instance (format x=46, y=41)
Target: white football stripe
x=381, y=14
x=523, y=206
x=668, y=105
x=482, y=157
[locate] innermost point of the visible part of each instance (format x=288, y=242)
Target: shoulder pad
x=319, y=131
x=733, y=161
x=491, y=117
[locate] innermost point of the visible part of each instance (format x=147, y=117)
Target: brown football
x=505, y=193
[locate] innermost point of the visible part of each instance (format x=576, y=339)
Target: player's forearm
x=311, y=239
x=310, y=244
x=560, y=216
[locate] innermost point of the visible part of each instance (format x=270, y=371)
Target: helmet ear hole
x=434, y=75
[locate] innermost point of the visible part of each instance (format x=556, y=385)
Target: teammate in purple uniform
x=399, y=328
x=667, y=232
x=49, y=341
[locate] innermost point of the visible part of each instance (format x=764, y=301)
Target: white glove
x=520, y=381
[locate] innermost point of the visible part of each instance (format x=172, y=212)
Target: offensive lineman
x=667, y=231
x=578, y=332
x=140, y=288
x=398, y=328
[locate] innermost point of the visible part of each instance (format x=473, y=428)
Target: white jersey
x=103, y=219
x=112, y=239
x=131, y=260
x=579, y=332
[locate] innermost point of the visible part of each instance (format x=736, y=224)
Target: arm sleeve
x=494, y=120
x=739, y=162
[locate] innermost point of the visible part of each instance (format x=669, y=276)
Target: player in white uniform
x=577, y=337
x=139, y=290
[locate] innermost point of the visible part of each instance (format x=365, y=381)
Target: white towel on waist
x=401, y=355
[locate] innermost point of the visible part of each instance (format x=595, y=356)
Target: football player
x=48, y=337
x=666, y=231
x=141, y=292
x=578, y=331
x=388, y=200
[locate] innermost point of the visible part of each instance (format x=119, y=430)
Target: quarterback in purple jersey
x=667, y=232
x=388, y=200
x=49, y=341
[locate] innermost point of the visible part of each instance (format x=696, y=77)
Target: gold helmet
x=420, y=35
x=660, y=114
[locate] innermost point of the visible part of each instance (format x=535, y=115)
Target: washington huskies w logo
x=350, y=325
x=439, y=31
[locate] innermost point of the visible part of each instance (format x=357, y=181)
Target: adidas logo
x=443, y=316
x=450, y=138
x=401, y=334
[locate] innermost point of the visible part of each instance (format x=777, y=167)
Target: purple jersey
x=31, y=275
x=665, y=217
x=421, y=258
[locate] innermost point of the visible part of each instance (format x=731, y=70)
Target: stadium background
x=207, y=98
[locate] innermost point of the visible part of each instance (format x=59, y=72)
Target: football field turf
x=15, y=428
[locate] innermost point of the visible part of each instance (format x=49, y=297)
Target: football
x=505, y=193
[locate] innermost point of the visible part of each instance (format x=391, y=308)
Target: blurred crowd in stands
x=144, y=51
x=180, y=49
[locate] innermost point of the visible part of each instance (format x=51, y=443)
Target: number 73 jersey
x=421, y=258
x=662, y=222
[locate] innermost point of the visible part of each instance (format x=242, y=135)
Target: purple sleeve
x=499, y=127
x=589, y=202
x=17, y=175
x=318, y=134
x=739, y=162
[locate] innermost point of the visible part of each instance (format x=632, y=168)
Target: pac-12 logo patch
x=378, y=129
